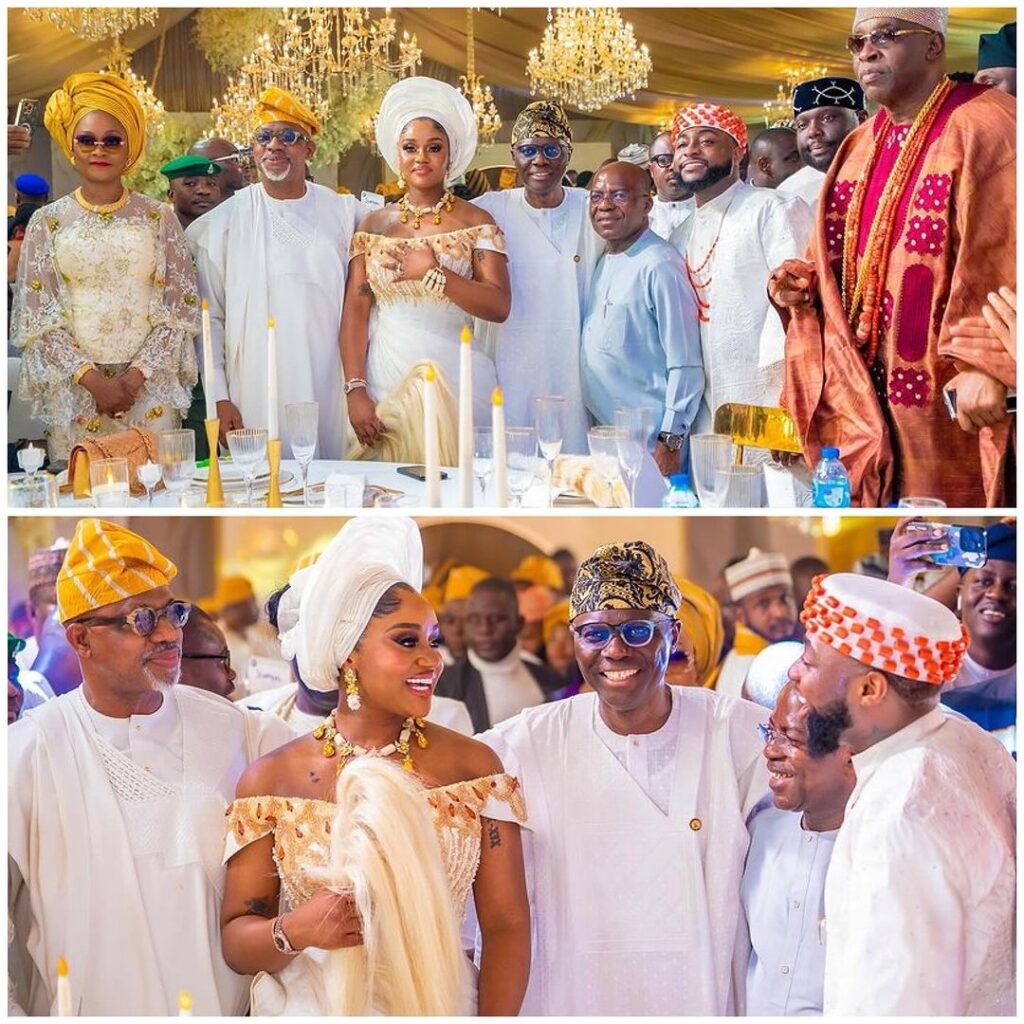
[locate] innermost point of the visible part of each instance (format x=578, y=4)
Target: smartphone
x=968, y=546
x=27, y=114
x=418, y=473
x=949, y=398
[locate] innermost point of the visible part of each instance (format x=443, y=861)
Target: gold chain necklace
x=336, y=744
x=416, y=212
x=102, y=208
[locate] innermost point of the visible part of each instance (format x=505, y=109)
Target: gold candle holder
x=274, y=458
x=214, y=487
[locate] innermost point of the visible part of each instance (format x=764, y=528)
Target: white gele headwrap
x=935, y=18
x=336, y=596
x=413, y=98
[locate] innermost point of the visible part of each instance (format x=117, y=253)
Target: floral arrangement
x=179, y=132
x=351, y=118
x=227, y=35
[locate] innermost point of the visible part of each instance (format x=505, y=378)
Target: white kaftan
x=259, y=257
x=551, y=257
x=665, y=216
x=919, y=900
x=635, y=910
x=805, y=183
x=116, y=828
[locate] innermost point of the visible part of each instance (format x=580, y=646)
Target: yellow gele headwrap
x=701, y=619
x=278, y=105
x=539, y=570
x=434, y=596
x=461, y=581
x=558, y=615
x=233, y=590
x=208, y=605
x=83, y=93
x=106, y=564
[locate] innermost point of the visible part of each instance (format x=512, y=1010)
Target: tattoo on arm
x=479, y=255
x=493, y=835
x=260, y=907
x=366, y=290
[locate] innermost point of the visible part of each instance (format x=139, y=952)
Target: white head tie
x=336, y=596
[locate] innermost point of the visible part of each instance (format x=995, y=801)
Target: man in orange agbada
x=915, y=227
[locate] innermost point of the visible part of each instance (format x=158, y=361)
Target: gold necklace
x=406, y=208
x=105, y=207
x=336, y=744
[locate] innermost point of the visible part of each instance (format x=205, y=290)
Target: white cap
x=758, y=571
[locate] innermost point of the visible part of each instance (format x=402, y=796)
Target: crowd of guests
x=850, y=268
x=644, y=722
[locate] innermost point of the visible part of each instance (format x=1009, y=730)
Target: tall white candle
x=63, y=989
x=211, y=405
x=466, y=418
x=184, y=1004
x=431, y=460
x=500, y=456
x=273, y=431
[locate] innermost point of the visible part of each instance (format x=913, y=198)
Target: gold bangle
x=77, y=378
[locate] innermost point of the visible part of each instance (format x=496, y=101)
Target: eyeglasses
x=142, y=621
x=88, y=142
x=769, y=735
x=678, y=655
x=287, y=136
x=224, y=657
x=620, y=197
x=662, y=159
x=882, y=38
x=551, y=151
x=636, y=633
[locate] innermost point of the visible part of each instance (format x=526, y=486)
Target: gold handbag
x=136, y=444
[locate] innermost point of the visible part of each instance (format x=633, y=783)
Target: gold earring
x=352, y=698
x=401, y=182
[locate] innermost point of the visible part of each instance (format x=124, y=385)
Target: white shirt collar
x=867, y=762
x=665, y=737
x=719, y=203
x=510, y=663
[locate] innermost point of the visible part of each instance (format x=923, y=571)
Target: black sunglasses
x=89, y=142
x=142, y=621
x=224, y=657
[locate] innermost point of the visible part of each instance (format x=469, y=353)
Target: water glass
x=32, y=490
x=739, y=486
x=108, y=480
x=520, y=450
x=604, y=445
x=549, y=413
x=149, y=476
x=176, y=450
x=344, y=490
x=635, y=425
x=248, y=448
x=483, y=457
x=31, y=458
x=301, y=421
x=708, y=454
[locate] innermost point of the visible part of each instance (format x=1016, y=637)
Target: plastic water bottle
x=831, y=485
x=680, y=494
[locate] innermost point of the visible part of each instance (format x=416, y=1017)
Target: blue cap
x=830, y=453
x=32, y=185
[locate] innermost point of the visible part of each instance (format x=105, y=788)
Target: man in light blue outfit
x=641, y=335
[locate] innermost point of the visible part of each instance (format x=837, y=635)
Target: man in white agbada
x=552, y=251
x=729, y=246
x=638, y=795
x=673, y=204
x=117, y=798
x=920, y=895
x=278, y=249
x=825, y=111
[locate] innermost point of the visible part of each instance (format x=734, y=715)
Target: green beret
x=14, y=646
x=190, y=166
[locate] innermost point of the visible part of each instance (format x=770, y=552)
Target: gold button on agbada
x=696, y=824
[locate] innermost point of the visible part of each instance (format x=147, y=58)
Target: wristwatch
x=281, y=943
x=673, y=442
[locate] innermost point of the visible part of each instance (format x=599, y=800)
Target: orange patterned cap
x=710, y=115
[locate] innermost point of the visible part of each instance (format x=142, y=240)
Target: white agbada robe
x=743, y=340
x=805, y=183
x=259, y=257
x=635, y=911
x=115, y=863
x=666, y=216
x=919, y=899
x=551, y=258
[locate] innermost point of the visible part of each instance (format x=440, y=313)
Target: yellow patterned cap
x=280, y=105
x=104, y=565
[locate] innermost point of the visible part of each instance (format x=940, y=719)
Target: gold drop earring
x=352, y=698
x=401, y=181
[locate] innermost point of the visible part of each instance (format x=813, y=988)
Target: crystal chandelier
x=119, y=62
x=363, y=46
x=778, y=113
x=588, y=58
x=488, y=123
x=94, y=23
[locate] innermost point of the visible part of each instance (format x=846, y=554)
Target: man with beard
x=792, y=834
x=117, y=797
x=730, y=245
x=672, y=203
x=774, y=157
x=193, y=187
x=825, y=111
x=226, y=155
x=997, y=60
x=278, y=249
x=916, y=226
x=638, y=794
x=552, y=251
x=919, y=900
x=761, y=593
x=641, y=343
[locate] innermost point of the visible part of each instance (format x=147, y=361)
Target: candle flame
x=497, y=398
x=467, y=335
x=62, y=967
x=110, y=477
x=272, y=321
x=430, y=374
x=205, y=305
x=185, y=1001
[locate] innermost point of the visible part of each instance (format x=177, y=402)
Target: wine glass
x=176, y=451
x=149, y=476
x=31, y=458
x=604, y=445
x=301, y=420
x=483, y=457
x=248, y=448
x=520, y=451
x=636, y=425
x=709, y=453
x=549, y=413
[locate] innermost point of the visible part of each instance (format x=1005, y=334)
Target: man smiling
x=638, y=793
